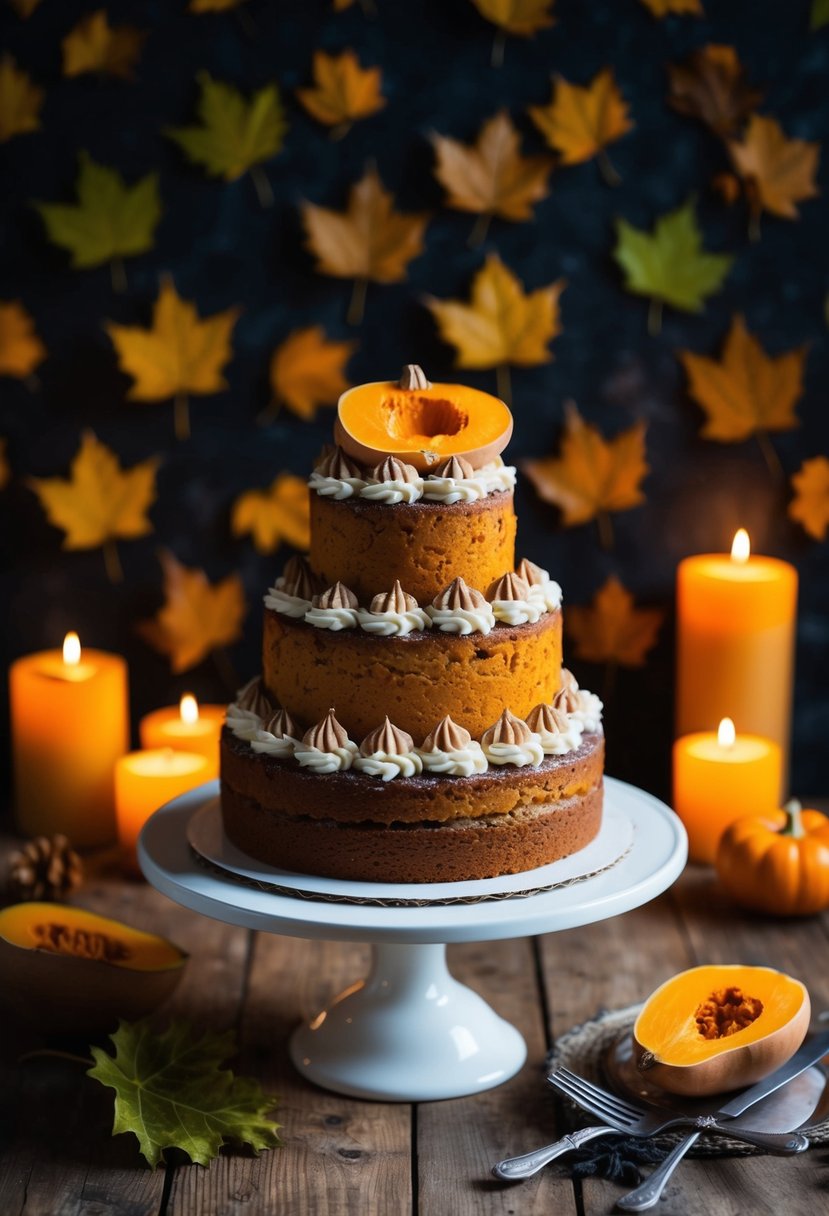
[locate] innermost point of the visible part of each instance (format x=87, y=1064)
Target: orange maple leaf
x=491, y=177
x=21, y=350
x=93, y=45
x=810, y=505
x=746, y=392
x=592, y=475
x=271, y=516
x=611, y=629
x=307, y=371
x=580, y=121
x=368, y=242
x=661, y=8
x=711, y=85
x=777, y=173
x=196, y=617
x=343, y=91
x=20, y=101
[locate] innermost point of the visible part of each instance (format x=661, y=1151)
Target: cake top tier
x=421, y=424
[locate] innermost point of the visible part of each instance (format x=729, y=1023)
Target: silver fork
x=634, y=1121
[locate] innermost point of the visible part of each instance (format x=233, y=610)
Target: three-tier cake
x=413, y=722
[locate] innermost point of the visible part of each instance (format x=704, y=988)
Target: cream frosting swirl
x=394, y=624
x=558, y=732
x=279, y=737
x=458, y=762
x=462, y=610
x=326, y=747
x=334, y=609
x=588, y=711
x=243, y=723
x=511, y=601
x=338, y=488
x=282, y=601
x=510, y=741
x=497, y=476
x=392, y=492
x=388, y=765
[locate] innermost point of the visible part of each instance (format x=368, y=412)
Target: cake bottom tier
x=343, y=825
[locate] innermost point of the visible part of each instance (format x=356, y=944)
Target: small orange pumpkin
x=777, y=863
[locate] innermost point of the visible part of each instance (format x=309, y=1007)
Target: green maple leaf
x=670, y=266
x=819, y=15
x=171, y=1092
x=110, y=219
x=235, y=134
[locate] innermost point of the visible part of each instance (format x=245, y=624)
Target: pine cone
x=45, y=868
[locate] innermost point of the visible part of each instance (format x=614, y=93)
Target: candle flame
x=71, y=650
x=726, y=734
x=740, y=546
x=189, y=709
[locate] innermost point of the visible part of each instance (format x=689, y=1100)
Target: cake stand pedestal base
x=409, y=1030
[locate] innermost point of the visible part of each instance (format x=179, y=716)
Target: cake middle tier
x=416, y=680
x=367, y=545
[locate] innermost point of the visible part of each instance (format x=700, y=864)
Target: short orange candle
x=144, y=781
x=186, y=727
x=70, y=723
x=735, y=643
x=720, y=776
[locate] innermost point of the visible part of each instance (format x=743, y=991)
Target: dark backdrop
x=224, y=249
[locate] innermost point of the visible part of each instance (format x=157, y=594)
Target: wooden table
x=344, y=1157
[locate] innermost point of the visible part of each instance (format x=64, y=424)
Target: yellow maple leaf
x=279, y=513
x=502, y=324
x=368, y=242
x=661, y=8
x=307, y=371
x=179, y=354
x=100, y=502
x=810, y=505
x=491, y=177
x=580, y=121
x=197, y=616
x=611, y=629
x=523, y=17
x=777, y=173
x=20, y=101
x=592, y=475
x=343, y=91
x=746, y=392
x=93, y=45
x=21, y=350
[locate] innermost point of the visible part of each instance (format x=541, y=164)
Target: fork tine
x=596, y=1106
x=597, y=1091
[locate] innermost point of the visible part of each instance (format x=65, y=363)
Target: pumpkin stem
x=794, y=824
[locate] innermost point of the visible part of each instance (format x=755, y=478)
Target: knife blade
x=813, y=1048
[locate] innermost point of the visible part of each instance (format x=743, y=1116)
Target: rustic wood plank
x=58, y=1154
x=458, y=1141
x=342, y=1156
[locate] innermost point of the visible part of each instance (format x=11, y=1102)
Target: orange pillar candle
x=186, y=727
x=70, y=723
x=735, y=643
x=144, y=781
x=720, y=776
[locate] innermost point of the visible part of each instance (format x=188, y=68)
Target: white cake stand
x=409, y=1032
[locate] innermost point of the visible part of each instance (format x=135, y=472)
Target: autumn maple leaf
x=100, y=502
x=611, y=629
x=20, y=101
x=593, y=475
x=662, y=8
x=110, y=220
x=21, y=350
x=580, y=121
x=522, y=17
x=777, y=173
x=24, y=8
x=271, y=516
x=343, y=91
x=235, y=135
x=307, y=370
x=491, y=177
x=711, y=85
x=810, y=505
x=746, y=392
x=368, y=242
x=197, y=616
x=178, y=355
x=502, y=324
x=670, y=265
x=96, y=46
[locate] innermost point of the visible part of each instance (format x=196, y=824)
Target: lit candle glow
x=188, y=727
x=144, y=781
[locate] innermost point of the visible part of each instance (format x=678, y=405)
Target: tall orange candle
x=735, y=643
x=186, y=727
x=720, y=776
x=70, y=723
x=144, y=781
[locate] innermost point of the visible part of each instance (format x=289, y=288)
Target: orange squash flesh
x=421, y=426
x=672, y=1053
x=57, y=929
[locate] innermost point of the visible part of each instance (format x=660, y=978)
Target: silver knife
x=812, y=1050
x=516, y=1169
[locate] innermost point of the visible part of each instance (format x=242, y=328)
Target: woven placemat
x=583, y=1050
